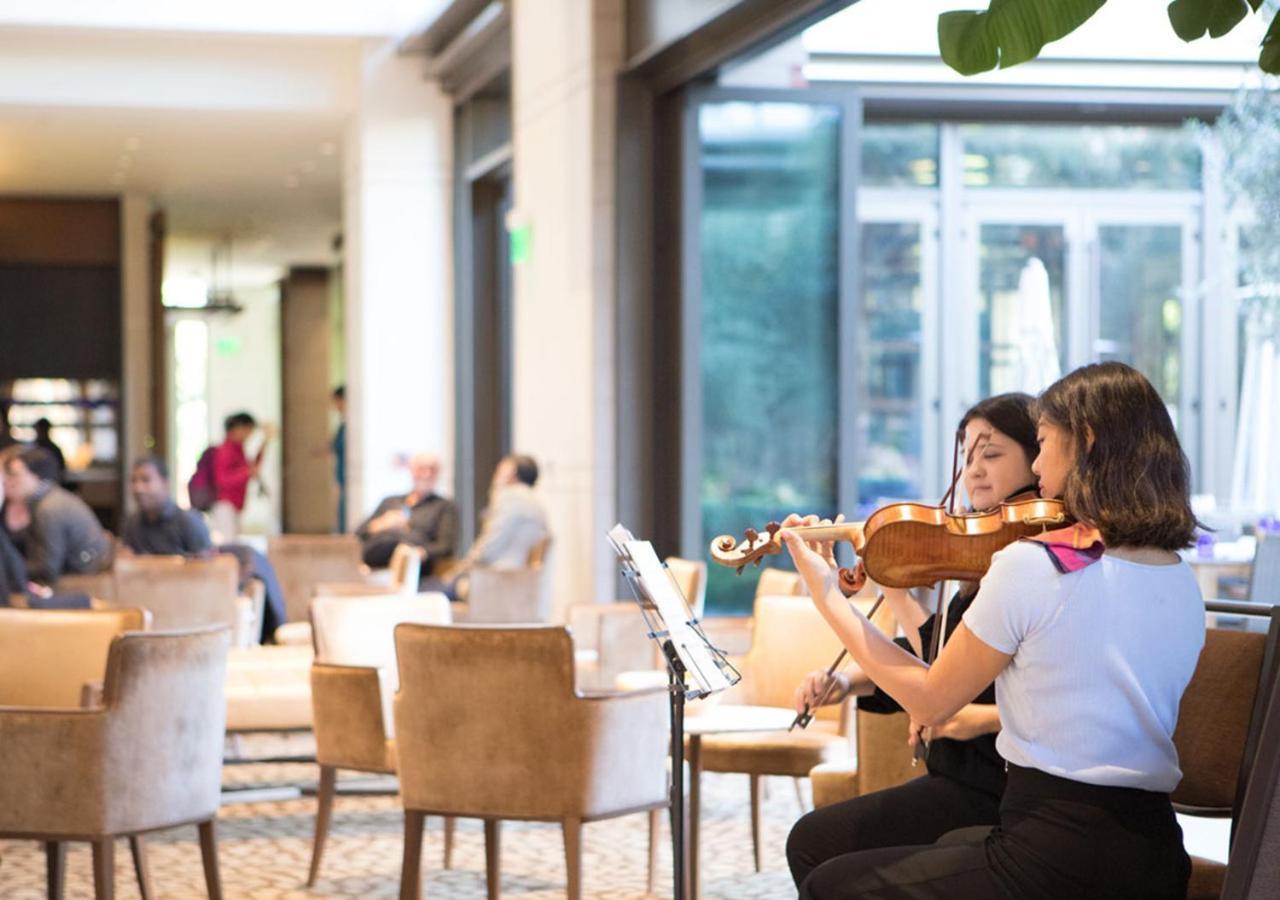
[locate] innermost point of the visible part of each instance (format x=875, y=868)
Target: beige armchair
x=539, y=751
x=352, y=683
x=181, y=592
x=789, y=639
x=614, y=636
x=303, y=561
x=400, y=577
x=510, y=596
x=150, y=757
x=49, y=656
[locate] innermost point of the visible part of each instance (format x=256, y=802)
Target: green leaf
x=1008, y=33
x=1269, y=59
x=1192, y=18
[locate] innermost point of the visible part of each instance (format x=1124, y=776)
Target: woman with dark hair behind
x=1088, y=701
x=965, y=774
x=60, y=534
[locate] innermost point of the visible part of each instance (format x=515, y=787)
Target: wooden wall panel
x=310, y=494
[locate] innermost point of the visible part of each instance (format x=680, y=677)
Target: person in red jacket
x=232, y=472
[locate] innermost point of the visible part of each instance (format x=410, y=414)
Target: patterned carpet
x=264, y=849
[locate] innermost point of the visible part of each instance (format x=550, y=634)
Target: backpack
x=200, y=489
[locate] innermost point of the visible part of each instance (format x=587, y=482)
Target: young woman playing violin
x=1088, y=700
x=965, y=773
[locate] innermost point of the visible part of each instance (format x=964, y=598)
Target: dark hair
x=1010, y=414
x=1134, y=483
x=340, y=392
x=236, y=419
x=40, y=461
x=526, y=468
x=154, y=462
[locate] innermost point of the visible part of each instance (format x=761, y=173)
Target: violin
x=907, y=545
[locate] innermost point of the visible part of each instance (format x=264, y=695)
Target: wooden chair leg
x=755, y=819
x=493, y=858
x=655, y=818
x=139, y=852
x=573, y=857
x=104, y=875
x=55, y=861
x=324, y=812
x=450, y=826
x=411, y=867
x=209, y=856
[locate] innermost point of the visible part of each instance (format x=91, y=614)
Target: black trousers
x=917, y=812
x=1056, y=839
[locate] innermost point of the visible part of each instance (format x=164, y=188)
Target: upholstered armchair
x=789, y=639
x=185, y=593
x=352, y=683
x=149, y=757
x=49, y=656
x=303, y=561
x=539, y=750
x=497, y=595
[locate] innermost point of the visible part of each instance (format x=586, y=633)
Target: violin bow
x=939, y=611
x=803, y=719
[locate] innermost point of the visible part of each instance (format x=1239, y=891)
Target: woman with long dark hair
x=964, y=776
x=1088, y=697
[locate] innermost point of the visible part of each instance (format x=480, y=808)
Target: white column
x=398, y=274
x=566, y=57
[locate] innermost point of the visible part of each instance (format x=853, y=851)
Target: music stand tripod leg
x=676, y=671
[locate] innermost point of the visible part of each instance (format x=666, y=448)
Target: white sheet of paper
x=690, y=646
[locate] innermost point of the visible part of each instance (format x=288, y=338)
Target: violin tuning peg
x=752, y=536
x=773, y=528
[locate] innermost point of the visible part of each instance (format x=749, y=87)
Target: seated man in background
x=421, y=518
x=63, y=535
x=514, y=524
x=159, y=527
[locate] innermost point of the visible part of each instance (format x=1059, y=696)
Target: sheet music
x=690, y=646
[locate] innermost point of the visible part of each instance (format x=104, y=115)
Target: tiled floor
x=265, y=849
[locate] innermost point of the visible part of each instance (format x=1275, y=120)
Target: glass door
x=1144, y=269
x=768, y=280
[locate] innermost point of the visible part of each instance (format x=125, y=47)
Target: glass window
x=898, y=154
x=1075, y=156
x=769, y=300
x=1021, y=277
x=1139, y=310
x=889, y=412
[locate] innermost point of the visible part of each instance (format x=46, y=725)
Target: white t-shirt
x=1101, y=657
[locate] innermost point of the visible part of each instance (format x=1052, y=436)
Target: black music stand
x=681, y=665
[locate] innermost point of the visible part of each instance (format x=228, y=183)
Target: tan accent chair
x=303, y=561
x=181, y=592
x=779, y=583
x=882, y=760
x=540, y=751
x=148, y=758
x=789, y=640
x=353, y=681
x=269, y=688
x=1213, y=725
x=48, y=656
x=616, y=640
x=400, y=577
x=510, y=596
